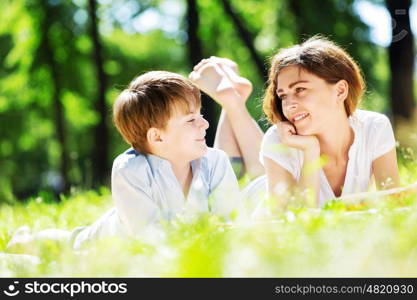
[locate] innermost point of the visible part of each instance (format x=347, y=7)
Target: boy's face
x=183, y=139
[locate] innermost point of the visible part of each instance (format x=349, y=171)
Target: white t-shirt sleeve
x=224, y=195
x=132, y=197
x=272, y=148
x=383, y=136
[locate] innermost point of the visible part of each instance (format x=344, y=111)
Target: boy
x=168, y=172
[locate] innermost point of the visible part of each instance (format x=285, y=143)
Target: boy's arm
x=224, y=188
x=133, y=199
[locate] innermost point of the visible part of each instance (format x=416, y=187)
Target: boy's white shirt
x=145, y=191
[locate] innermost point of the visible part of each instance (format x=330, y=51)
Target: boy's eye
x=196, y=116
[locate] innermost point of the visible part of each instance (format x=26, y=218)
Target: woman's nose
x=290, y=104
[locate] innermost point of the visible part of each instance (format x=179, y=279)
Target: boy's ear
x=342, y=90
x=153, y=135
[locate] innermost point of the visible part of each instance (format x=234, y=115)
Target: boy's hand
x=289, y=137
x=22, y=241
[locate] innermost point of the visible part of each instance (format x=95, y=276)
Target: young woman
x=311, y=101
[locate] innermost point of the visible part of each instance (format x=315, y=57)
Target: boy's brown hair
x=149, y=101
x=322, y=58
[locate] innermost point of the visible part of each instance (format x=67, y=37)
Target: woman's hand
x=215, y=76
x=242, y=85
x=309, y=144
x=289, y=137
x=211, y=80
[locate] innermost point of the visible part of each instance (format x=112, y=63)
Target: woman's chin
x=303, y=131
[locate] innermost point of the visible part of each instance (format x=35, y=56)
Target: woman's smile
x=298, y=117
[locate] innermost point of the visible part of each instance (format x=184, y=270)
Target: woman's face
x=309, y=102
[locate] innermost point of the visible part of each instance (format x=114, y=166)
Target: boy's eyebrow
x=191, y=113
x=294, y=83
x=195, y=111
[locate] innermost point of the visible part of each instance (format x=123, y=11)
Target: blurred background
x=63, y=62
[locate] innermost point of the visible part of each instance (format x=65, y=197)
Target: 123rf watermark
x=366, y=289
x=72, y=289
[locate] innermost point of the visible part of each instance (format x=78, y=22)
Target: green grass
x=369, y=239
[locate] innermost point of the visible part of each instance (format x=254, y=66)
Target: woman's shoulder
x=367, y=117
x=370, y=122
x=272, y=130
x=271, y=143
x=376, y=129
x=271, y=135
x=272, y=148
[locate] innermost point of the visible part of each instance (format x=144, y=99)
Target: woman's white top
x=374, y=137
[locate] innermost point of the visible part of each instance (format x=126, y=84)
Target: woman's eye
x=299, y=89
x=192, y=120
x=282, y=97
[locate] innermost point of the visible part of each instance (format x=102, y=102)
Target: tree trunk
x=195, y=54
x=100, y=151
x=247, y=38
x=59, y=115
x=401, y=60
x=296, y=8
x=59, y=118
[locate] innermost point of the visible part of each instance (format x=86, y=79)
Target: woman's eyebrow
x=294, y=83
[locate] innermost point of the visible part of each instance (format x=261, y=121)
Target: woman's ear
x=342, y=90
x=153, y=136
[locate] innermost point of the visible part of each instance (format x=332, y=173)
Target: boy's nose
x=205, y=123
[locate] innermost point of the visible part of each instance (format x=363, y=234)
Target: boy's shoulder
x=130, y=160
x=214, y=159
x=214, y=155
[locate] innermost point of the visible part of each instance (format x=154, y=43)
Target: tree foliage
x=50, y=85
